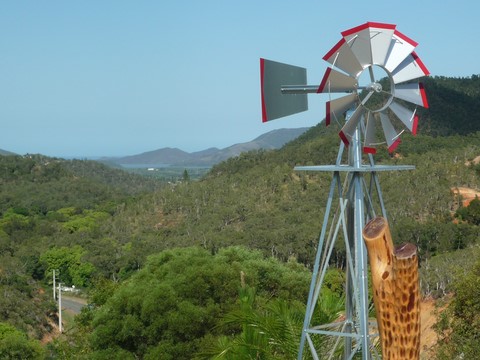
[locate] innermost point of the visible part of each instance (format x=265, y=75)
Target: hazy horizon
x=114, y=78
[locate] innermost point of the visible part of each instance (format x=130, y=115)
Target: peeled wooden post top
x=374, y=228
x=405, y=251
x=377, y=227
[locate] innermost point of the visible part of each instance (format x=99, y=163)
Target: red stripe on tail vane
x=264, y=107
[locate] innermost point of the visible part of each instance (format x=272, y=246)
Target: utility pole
x=60, y=307
x=54, y=289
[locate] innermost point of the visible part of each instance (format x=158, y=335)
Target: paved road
x=73, y=304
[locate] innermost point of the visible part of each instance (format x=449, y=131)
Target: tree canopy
x=174, y=304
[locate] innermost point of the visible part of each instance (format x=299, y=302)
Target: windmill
x=376, y=70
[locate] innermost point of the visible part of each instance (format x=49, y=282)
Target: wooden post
x=396, y=292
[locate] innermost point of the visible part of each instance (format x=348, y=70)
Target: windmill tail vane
x=373, y=71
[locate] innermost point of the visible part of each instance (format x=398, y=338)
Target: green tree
x=177, y=299
x=15, y=345
x=459, y=326
x=186, y=176
x=470, y=213
x=268, y=331
x=69, y=261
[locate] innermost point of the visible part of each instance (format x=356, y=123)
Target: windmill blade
x=412, y=92
x=348, y=129
x=407, y=116
x=370, y=42
x=335, y=81
x=275, y=104
x=339, y=106
x=410, y=68
x=400, y=47
x=381, y=38
x=370, y=135
x=343, y=58
x=358, y=38
x=391, y=135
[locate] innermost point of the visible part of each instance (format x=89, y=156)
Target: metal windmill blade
x=400, y=47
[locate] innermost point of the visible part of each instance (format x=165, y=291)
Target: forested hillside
x=180, y=269
x=454, y=106
x=44, y=204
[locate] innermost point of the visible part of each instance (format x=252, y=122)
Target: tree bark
x=396, y=292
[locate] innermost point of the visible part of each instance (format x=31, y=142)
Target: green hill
x=6, y=153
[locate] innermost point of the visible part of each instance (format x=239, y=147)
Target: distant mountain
x=162, y=156
x=172, y=156
x=6, y=153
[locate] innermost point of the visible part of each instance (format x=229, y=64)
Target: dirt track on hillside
x=466, y=194
x=428, y=337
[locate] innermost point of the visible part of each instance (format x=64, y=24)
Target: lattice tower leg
x=354, y=209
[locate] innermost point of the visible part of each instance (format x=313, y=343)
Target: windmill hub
x=375, y=86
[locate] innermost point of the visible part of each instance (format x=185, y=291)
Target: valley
x=175, y=265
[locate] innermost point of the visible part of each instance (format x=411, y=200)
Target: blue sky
x=112, y=78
